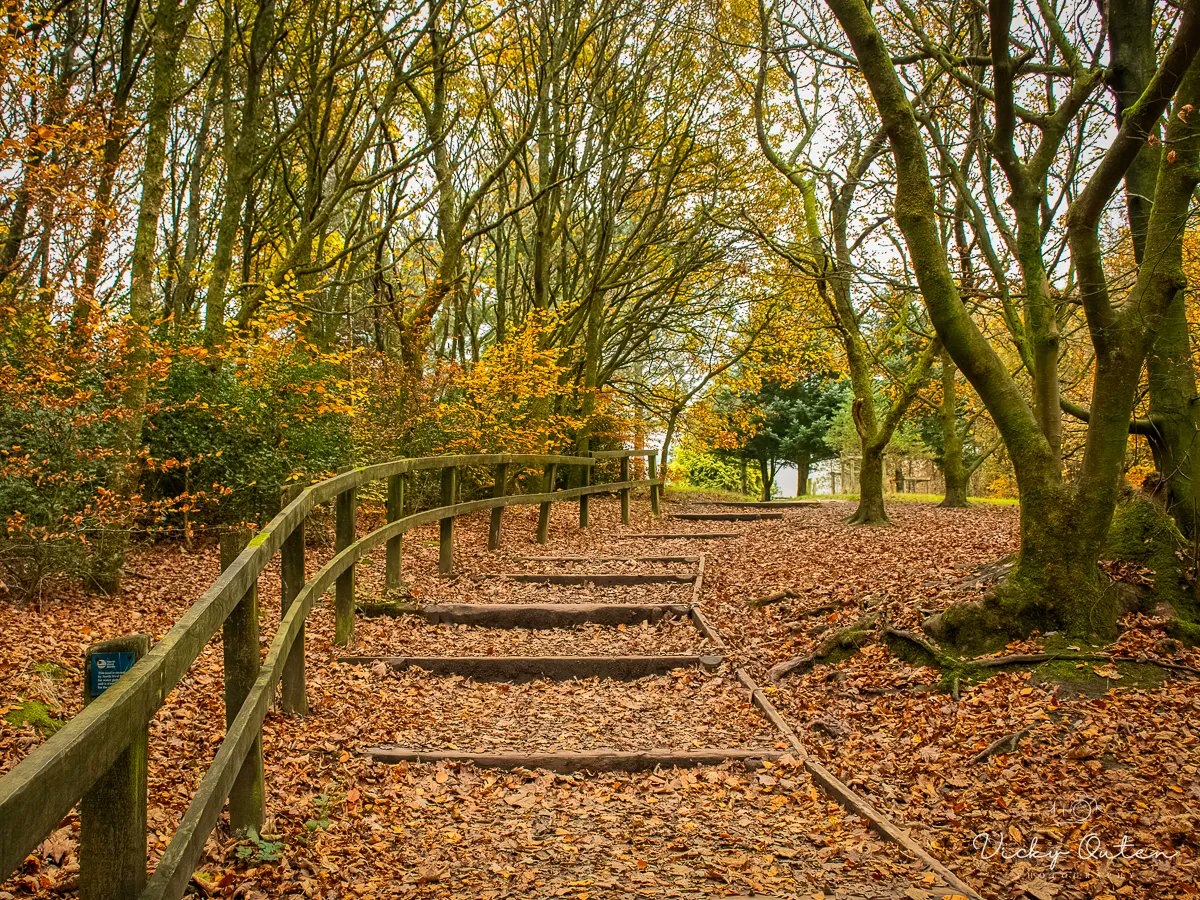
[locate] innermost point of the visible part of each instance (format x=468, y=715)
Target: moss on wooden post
x=344, y=514
x=624, y=491
x=652, y=464
x=498, y=490
x=395, y=510
x=240, y=643
x=293, y=695
x=112, y=815
x=543, y=531
x=446, y=525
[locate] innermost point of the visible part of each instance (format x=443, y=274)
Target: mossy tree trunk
x=871, y=510
x=953, y=468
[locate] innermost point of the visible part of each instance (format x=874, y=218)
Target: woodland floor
x=1111, y=753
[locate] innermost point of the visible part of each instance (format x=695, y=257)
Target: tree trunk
x=745, y=478
x=764, y=469
x=170, y=24
x=241, y=160
x=803, y=465
x=1173, y=412
x=952, y=445
x=1056, y=584
x=871, y=510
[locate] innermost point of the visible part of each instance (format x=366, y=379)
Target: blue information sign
x=106, y=668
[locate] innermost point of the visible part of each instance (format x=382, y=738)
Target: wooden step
x=726, y=517
x=540, y=615
x=613, y=559
x=696, y=536
x=577, y=760
x=600, y=579
x=765, y=504
x=526, y=668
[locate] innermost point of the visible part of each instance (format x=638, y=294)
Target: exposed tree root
x=770, y=599
x=917, y=649
x=841, y=643
x=1009, y=740
x=1029, y=659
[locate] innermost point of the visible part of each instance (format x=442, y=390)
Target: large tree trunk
x=871, y=510
x=764, y=468
x=952, y=445
x=1174, y=413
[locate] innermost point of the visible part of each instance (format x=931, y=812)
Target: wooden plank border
x=578, y=760
x=554, y=668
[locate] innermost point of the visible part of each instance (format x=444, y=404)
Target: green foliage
x=712, y=471
x=258, y=849
x=240, y=440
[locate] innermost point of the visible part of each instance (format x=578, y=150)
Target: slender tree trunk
x=240, y=163
x=952, y=444
x=170, y=23
x=764, y=468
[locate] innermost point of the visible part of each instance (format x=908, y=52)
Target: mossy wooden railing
x=40, y=790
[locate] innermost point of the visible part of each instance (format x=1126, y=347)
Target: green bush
x=712, y=471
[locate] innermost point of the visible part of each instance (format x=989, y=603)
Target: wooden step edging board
x=600, y=579
x=765, y=504
x=846, y=795
x=543, y=615
x=563, y=761
x=698, y=536
x=726, y=517
x=526, y=668
x=607, y=559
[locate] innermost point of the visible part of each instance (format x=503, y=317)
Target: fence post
x=395, y=510
x=345, y=507
x=293, y=694
x=497, y=491
x=446, y=525
x=112, y=814
x=652, y=465
x=240, y=643
x=624, y=491
x=585, y=480
x=543, y=532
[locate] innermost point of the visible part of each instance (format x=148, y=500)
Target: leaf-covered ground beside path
x=1126, y=758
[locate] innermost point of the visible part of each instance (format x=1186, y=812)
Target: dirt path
x=453, y=829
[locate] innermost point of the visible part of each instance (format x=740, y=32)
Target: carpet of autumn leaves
x=1114, y=761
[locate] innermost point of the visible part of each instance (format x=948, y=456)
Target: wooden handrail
x=42, y=788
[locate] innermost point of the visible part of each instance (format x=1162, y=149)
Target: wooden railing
x=98, y=758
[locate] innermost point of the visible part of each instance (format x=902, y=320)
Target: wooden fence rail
x=37, y=793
